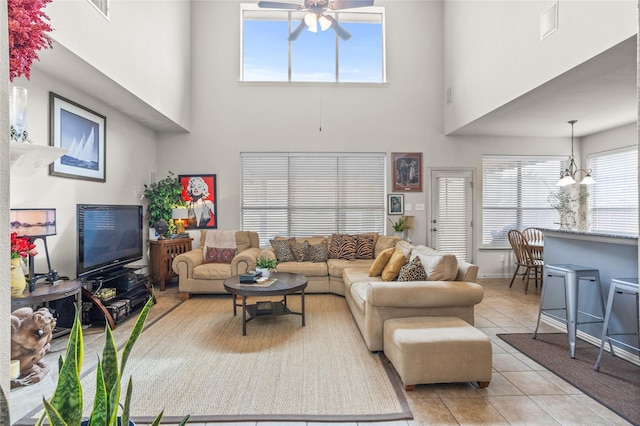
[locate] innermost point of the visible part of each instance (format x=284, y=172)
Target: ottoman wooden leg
x=409, y=387
x=483, y=384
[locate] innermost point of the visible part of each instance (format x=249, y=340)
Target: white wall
x=610, y=139
x=144, y=47
x=494, y=53
x=131, y=152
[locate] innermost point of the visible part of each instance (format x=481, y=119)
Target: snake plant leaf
x=126, y=411
x=135, y=333
x=110, y=371
x=157, y=420
x=67, y=397
x=99, y=414
x=55, y=419
x=184, y=420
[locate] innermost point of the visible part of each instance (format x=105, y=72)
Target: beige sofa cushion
x=438, y=267
x=308, y=269
x=384, y=242
x=217, y=271
x=337, y=266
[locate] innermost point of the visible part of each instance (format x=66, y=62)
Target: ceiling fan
x=316, y=16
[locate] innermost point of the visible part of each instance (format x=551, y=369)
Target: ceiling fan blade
x=349, y=4
x=295, y=33
x=339, y=29
x=279, y=5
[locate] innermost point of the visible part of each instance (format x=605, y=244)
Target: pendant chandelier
x=568, y=177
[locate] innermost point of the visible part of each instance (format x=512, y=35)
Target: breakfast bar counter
x=614, y=255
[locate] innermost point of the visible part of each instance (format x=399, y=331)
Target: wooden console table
x=45, y=293
x=161, y=255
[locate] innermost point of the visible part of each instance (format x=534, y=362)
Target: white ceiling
x=600, y=93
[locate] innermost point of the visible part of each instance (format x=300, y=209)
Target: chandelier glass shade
x=568, y=177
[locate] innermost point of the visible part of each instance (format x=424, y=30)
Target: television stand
x=115, y=296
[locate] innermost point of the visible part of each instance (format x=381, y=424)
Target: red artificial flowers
x=21, y=247
x=27, y=34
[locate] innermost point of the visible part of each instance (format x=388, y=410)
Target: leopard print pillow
x=413, y=271
x=318, y=252
x=282, y=250
x=300, y=250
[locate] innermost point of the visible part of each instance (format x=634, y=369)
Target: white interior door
x=452, y=212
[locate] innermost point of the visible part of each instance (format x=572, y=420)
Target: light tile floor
x=521, y=391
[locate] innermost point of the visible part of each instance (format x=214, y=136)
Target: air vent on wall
x=549, y=21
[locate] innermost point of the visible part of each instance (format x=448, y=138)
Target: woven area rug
x=616, y=385
x=196, y=361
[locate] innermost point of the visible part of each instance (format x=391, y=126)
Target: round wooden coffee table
x=285, y=284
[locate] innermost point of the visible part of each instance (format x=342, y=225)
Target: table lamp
x=178, y=215
x=408, y=225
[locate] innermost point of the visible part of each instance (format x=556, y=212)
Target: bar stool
x=619, y=286
x=571, y=276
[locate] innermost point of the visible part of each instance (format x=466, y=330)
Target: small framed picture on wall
x=199, y=192
x=407, y=171
x=396, y=204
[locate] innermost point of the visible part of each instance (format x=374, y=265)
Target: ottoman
x=437, y=350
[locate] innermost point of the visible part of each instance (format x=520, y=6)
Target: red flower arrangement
x=21, y=247
x=27, y=34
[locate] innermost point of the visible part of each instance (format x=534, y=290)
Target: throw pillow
x=300, y=250
x=218, y=255
x=380, y=262
x=413, y=271
x=364, y=247
x=318, y=252
x=282, y=250
x=439, y=267
x=392, y=269
x=343, y=246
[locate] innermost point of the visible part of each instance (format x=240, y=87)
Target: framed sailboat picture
x=82, y=133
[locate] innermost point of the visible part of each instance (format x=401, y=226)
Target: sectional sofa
x=449, y=290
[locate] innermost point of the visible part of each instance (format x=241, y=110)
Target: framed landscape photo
x=83, y=133
x=396, y=204
x=199, y=192
x=407, y=171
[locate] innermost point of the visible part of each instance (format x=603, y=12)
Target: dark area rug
x=616, y=385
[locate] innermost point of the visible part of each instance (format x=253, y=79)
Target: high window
x=516, y=194
x=613, y=199
x=268, y=55
x=102, y=6
x=303, y=194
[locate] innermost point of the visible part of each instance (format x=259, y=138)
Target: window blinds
x=613, y=199
x=304, y=194
x=515, y=195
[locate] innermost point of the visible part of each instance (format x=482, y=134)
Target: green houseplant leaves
x=163, y=196
x=65, y=406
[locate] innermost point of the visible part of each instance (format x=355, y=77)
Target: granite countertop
x=591, y=233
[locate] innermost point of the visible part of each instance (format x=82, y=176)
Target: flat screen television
x=109, y=237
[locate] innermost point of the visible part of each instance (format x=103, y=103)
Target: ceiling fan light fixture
x=324, y=22
x=312, y=22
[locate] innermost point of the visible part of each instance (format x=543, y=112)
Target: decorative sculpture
x=31, y=334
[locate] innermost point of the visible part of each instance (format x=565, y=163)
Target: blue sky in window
x=312, y=55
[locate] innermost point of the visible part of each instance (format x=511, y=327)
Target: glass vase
x=18, y=280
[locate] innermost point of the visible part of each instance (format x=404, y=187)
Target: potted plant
x=65, y=405
x=399, y=226
x=265, y=265
x=163, y=197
